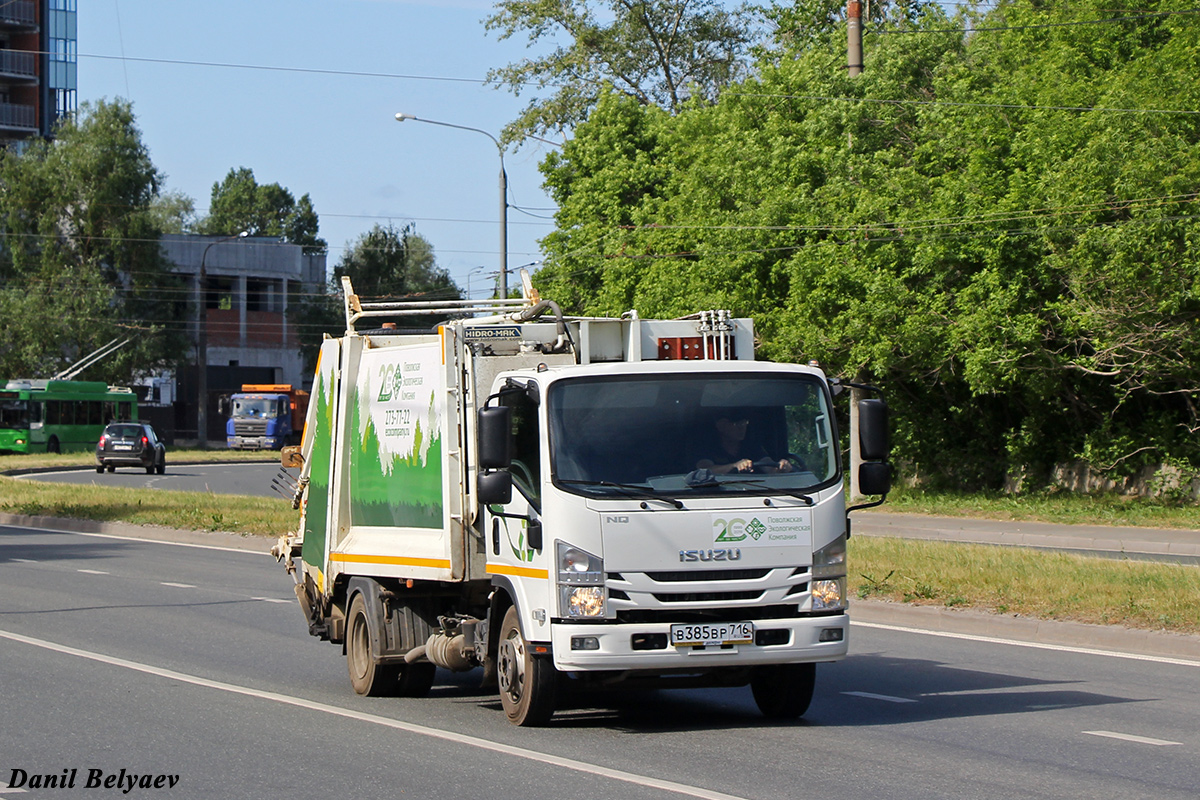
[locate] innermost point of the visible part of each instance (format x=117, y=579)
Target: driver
x=732, y=454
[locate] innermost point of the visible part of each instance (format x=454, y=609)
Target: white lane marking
x=408, y=727
x=886, y=698
x=271, y=600
x=1062, y=648
x=178, y=585
x=1129, y=737
x=5, y=790
x=92, y=571
x=23, y=561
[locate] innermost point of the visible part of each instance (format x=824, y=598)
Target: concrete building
x=37, y=67
x=248, y=283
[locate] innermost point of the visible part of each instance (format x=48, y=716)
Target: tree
x=656, y=51
x=173, y=212
x=80, y=263
x=239, y=203
x=386, y=261
x=952, y=224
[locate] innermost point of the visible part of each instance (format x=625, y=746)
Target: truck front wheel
x=783, y=691
x=367, y=677
x=528, y=685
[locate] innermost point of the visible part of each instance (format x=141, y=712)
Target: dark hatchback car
x=131, y=444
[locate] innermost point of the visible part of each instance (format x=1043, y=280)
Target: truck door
x=516, y=549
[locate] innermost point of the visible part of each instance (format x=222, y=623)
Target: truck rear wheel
x=783, y=691
x=528, y=685
x=367, y=677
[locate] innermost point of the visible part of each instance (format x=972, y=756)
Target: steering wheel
x=797, y=462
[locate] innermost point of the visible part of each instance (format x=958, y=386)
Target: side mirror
x=873, y=430
x=495, y=488
x=533, y=534
x=223, y=405
x=493, y=428
x=874, y=477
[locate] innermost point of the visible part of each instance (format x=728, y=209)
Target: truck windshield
x=254, y=407
x=674, y=435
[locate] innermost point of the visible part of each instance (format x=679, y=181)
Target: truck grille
x=737, y=614
x=708, y=575
x=250, y=427
x=710, y=595
x=706, y=597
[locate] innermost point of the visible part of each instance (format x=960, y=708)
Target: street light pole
x=202, y=346
x=401, y=117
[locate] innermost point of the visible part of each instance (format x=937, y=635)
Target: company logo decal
x=391, y=379
x=476, y=334
x=768, y=529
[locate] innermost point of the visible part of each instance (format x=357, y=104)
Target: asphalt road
x=173, y=660
x=233, y=478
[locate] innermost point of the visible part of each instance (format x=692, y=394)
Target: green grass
x=10, y=463
x=205, y=511
x=1060, y=507
x=1032, y=583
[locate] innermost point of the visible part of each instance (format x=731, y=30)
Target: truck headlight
x=829, y=595
x=829, y=576
x=581, y=591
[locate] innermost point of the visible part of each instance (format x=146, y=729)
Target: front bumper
x=615, y=651
x=252, y=443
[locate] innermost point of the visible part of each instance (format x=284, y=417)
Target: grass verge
x=1060, y=507
x=203, y=511
x=1031, y=583
x=9, y=463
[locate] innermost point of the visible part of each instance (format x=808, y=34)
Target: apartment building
x=37, y=67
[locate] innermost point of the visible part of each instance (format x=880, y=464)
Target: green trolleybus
x=47, y=416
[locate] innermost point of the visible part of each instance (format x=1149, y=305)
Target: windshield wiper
x=629, y=490
x=706, y=479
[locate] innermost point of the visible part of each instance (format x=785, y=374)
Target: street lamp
x=473, y=271
x=202, y=346
x=401, y=117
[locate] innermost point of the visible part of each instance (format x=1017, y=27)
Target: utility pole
x=854, y=37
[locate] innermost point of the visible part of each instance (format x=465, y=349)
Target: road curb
x=236, y=541
x=18, y=472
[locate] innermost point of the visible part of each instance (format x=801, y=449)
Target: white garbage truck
x=574, y=503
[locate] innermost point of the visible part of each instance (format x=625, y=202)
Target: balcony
x=16, y=65
x=18, y=118
x=18, y=15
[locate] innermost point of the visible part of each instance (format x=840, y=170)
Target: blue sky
x=332, y=136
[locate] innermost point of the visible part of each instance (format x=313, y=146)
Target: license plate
x=122, y=447
x=712, y=634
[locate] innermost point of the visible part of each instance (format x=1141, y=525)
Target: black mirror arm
x=878, y=502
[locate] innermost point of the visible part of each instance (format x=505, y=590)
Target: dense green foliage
x=385, y=262
x=240, y=203
x=656, y=51
x=999, y=226
x=80, y=263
